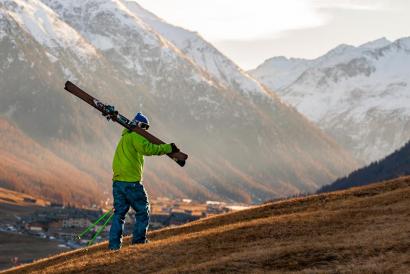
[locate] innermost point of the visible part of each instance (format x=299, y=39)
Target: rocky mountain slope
x=361, y=230
x=244, y=144
x=200, y=52
x=359, y=95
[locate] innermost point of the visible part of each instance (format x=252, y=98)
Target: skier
x=128, y=189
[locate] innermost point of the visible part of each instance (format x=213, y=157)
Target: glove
x=174, y=148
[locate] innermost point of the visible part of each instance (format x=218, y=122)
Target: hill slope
x=361, y=230
x=395, y=165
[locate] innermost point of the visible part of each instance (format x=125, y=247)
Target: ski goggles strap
x=143, y=125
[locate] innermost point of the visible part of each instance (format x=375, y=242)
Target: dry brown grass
x=16, y=198
x=362, y=230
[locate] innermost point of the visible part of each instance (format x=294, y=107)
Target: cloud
x=245, y=20
x=351, y=4
x=238, y=19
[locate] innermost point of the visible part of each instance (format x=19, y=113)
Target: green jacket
x=128, y=163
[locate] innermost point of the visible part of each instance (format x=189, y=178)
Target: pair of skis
x=111, y=114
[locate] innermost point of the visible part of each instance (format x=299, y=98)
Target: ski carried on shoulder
x=111, y=114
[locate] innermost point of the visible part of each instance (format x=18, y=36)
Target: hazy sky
x=251, y=31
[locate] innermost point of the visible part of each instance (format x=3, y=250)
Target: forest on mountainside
x=394, y=165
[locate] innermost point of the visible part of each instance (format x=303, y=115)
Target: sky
x=251, y=31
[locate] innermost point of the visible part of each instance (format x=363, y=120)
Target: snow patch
x=46, y=28
x=51, y=57
x=207, y=100
x=10, y=111
x=2, y=25
x=69, y=74
x=21, y=57
x=403, y=43
x=101, y=42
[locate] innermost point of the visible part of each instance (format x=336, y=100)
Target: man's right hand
x=174, y=148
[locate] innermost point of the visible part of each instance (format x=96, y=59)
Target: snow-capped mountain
x=360, y=95
x=279, y=72
x=200, y=51
x=244, y=143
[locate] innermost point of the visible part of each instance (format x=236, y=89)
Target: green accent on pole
x=93, y=225
x=100, y=230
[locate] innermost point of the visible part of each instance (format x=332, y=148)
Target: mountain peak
x=379, y=43
x=340, y=49
x=278, y=59
x=403, y=42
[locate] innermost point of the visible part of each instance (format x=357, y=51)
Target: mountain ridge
x=358, y=95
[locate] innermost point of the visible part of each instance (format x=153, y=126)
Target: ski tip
x=67, y=83
x=180, y=156
x=181, y=162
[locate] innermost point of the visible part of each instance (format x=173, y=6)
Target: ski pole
x=93, y=224
x=100, y=230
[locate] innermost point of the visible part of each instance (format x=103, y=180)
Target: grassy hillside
x=360, y=230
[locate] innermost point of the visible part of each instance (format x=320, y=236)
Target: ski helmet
x=141, y=120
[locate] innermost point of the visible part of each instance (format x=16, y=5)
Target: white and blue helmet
x=141, y=120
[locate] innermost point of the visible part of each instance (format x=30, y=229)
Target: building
x=36, y=227
x=76, y=223
x=178, y=218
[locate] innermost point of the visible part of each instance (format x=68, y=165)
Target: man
x=128, y=190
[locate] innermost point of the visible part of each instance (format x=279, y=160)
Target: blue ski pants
x=128, y=195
